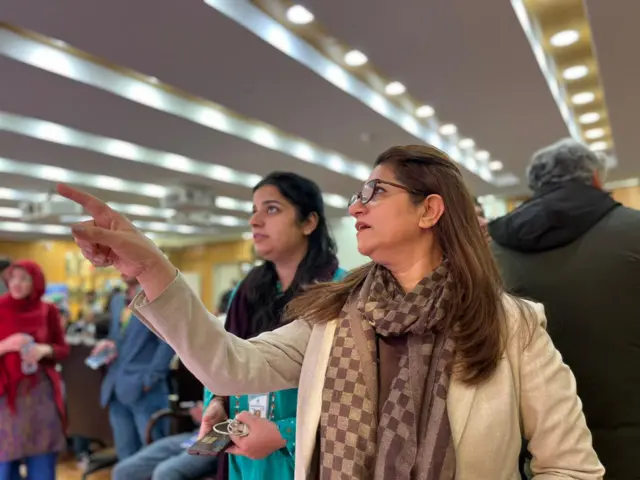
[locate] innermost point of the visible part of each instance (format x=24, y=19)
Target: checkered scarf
x=411, y=438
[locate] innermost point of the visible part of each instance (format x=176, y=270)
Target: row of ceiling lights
x=563, y=39
x=299, y=15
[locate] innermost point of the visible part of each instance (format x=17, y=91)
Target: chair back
x=183, y=384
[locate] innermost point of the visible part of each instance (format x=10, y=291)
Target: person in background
x=577, y=251
x=291, y=234
x=60, y=302
x=32, y=414
x=115, y=292
x=482, y=219
x=4, y=264
x=416, y=366
x=136, y=384
x=91, y=307
x=87, y=317
x=167, y=459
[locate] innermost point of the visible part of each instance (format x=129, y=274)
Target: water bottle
x=28, y=367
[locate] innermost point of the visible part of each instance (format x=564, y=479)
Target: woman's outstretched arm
x=224, y=363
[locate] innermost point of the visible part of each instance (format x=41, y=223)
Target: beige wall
x=629, y=197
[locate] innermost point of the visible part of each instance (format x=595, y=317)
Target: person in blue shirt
x=291, y=234
x=136, y=384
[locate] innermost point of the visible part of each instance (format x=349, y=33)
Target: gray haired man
x=577, y=251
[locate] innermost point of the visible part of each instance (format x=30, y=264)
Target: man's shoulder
x=621, y=221
x=627, y=213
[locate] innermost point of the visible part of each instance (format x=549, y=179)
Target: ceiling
x=145, y=95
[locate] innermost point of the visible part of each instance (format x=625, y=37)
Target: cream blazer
x=532, y=394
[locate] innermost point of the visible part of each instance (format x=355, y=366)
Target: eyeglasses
x=370, y=188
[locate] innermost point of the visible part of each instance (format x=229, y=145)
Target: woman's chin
x=364, y=248
x=263, y=251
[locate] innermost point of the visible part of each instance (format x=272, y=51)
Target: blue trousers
x=39, y=467
x=129, y=422
x=166, y=459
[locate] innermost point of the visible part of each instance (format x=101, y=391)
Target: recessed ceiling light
x=395, y=88
x=299, y=15
x=355, y=58
x=467, y=143
x=565, y=38
x=591, y=117
x=425, y=111
x=483, y=155
x=495, y=165
x=448, y=129
x=599, y=146
x=594, y=133
x=575, y=72
x=583, y=98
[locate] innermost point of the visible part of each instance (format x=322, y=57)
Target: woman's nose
x=356, y=208
x=255, y=220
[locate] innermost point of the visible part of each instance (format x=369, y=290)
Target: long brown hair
x=477, y=315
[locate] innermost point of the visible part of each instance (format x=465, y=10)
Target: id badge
x=259, y=405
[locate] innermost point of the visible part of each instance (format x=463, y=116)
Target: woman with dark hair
x=290, y=233
x=418, y=366
x=31, y=400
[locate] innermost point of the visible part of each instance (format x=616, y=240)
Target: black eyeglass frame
x=373, y=184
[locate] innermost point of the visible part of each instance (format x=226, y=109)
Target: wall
x=344, y=233
x=629, y=197
x=201, y=259
x=50, y=255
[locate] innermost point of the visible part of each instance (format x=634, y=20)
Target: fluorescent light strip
x=277, y=35
x=9, y=212
x=63, y=135
x=58, y=174
x=142, y=210
x=227, y=203
x=147, y=211
x=57, y=60
x=151, y=226
x=167, y=213
x=128, y=209
x=47, y=229
x=171, y=228
x=21, y=227
x=21, y=196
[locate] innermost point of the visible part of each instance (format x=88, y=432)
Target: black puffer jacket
x=577, y=251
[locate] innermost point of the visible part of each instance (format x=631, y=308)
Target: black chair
x=186, y=391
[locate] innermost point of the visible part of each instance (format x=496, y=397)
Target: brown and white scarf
x=411, y=439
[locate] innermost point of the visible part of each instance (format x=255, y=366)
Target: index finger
x=92, y=204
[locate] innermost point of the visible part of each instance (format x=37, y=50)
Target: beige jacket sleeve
x=225, y=364
x=553, y=422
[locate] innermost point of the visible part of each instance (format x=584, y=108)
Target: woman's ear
x=310, y=224
x=433, y=208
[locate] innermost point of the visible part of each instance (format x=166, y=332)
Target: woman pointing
x=416, y=366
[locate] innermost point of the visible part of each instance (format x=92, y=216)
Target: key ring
x=232, y=427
